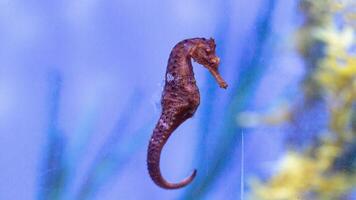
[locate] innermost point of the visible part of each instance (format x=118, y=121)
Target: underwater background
x=80, y=86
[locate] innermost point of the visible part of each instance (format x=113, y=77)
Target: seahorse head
x=204, y=53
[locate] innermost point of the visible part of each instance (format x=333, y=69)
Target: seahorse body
x=180, y=99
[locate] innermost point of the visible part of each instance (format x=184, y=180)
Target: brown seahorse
x=180, y=99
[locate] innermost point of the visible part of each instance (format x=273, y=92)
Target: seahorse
x=180, y=99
